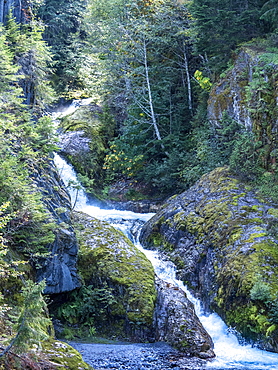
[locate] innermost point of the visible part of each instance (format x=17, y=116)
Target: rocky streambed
x=136, y=356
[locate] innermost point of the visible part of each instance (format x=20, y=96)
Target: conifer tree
x=222, y=24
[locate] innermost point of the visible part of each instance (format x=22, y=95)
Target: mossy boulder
x=62, y=356
x=52, y=355
x=108, y=259
x=223, y=239
x=84, y=138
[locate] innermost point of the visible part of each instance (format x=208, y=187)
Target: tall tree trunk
x=189, y=90
x=153, y=118
x=1, y=11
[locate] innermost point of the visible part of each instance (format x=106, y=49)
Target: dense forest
x=152, y=69
x=151, y=65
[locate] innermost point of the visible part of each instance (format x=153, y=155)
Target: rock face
x=176, y=323
x=60, y=269
x=248, y=94
x=74, y=143
x=224, y=241
x=83, y=140
x=109, y=260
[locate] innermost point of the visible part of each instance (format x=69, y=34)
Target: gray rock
x=59, y=268
x=176, y=323
x=74, y=143
x=223, y=239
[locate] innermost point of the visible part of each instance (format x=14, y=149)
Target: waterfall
x=75, y=104
x=229, y=353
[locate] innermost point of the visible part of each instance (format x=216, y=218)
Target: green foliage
x=204, y=82
x=261, y=292
x=270, y=13
x=34, y=59
x=31, y=323
x=146, y=81
x=223, y=24
x=244, y=159
x=83, y=306
x=123, y=160
x=66, y=38
x=22, y=143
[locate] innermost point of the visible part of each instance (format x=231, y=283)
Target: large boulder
x=223, y=238
x=175, y=322
x=108, y=260
x=142, y=307
x=83, y=140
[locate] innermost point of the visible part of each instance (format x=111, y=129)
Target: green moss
x=223, y=217
x=273, y=212
x=252, y=238
x=106, y=255
x=65, y=356
x=158, y=241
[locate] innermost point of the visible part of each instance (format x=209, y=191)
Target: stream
x=230, y=354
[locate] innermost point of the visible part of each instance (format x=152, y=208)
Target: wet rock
x=176, y=323
x=140, y=206
x=74, y=142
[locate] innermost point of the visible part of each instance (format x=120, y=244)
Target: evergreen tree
x=65, y=36
x=270, y=13
x=222, y=24
x=33, y=57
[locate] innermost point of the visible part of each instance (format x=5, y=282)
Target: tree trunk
x=189, y=90
x=153, y=118
x=1, y=11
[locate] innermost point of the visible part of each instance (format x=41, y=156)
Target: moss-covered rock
x=248, y=94
x=63, y=356
x=220, y=231
x=85, y=137
x=109, y=262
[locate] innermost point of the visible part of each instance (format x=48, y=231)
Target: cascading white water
x=229, y=353
x=75, y=104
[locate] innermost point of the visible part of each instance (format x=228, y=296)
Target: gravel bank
x=136, y=356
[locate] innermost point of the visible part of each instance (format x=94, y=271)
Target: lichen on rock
x=219, y=233
x=62, y=356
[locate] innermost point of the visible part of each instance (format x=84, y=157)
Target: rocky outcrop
x=108, y=260
x=223, y=239
x=229, y=94
x=74, y=143
x=248, y=94
x=59, y=269
x=246, y=84
x=176, y=323
x=83, y=139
